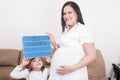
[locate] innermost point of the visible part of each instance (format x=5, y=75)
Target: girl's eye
x=40, y=60
x=34, y=61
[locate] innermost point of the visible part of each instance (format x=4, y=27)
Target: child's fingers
x=48, y=59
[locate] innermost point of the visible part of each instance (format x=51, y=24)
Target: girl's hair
x=30, y=67
x=76, y=9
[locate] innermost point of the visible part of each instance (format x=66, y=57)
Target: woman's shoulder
x=83, y=27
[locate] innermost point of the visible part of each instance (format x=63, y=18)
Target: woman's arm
x=90, y=56
x=52, y=39
x=53, y=42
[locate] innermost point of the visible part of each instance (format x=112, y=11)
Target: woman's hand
x=24, y=62
x=52, y=39
x=64, y=69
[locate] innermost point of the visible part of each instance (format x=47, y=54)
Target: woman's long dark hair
x=76, y=9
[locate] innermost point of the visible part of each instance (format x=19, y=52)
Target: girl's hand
x=64, y=69
x=24, y=62
x=48, y=59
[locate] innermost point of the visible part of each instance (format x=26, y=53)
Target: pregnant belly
x=67, y=56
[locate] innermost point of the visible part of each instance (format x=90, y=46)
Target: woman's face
x=70, y=16
x=37, y=64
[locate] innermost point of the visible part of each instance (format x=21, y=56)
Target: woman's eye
x=64, y=13
x=69, y=12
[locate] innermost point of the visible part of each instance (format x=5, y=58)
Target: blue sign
x=36, y=46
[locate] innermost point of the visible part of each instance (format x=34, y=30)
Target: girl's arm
x=24, y=63
x=18, y=72
x=48, y=59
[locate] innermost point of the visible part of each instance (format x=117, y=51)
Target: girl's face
x=36, y=64
x=70, y=16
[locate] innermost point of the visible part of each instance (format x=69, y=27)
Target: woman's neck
x=70, y=26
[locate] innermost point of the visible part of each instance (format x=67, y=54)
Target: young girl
x=35, y=70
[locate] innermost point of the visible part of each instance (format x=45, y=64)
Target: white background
x=35, y=17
